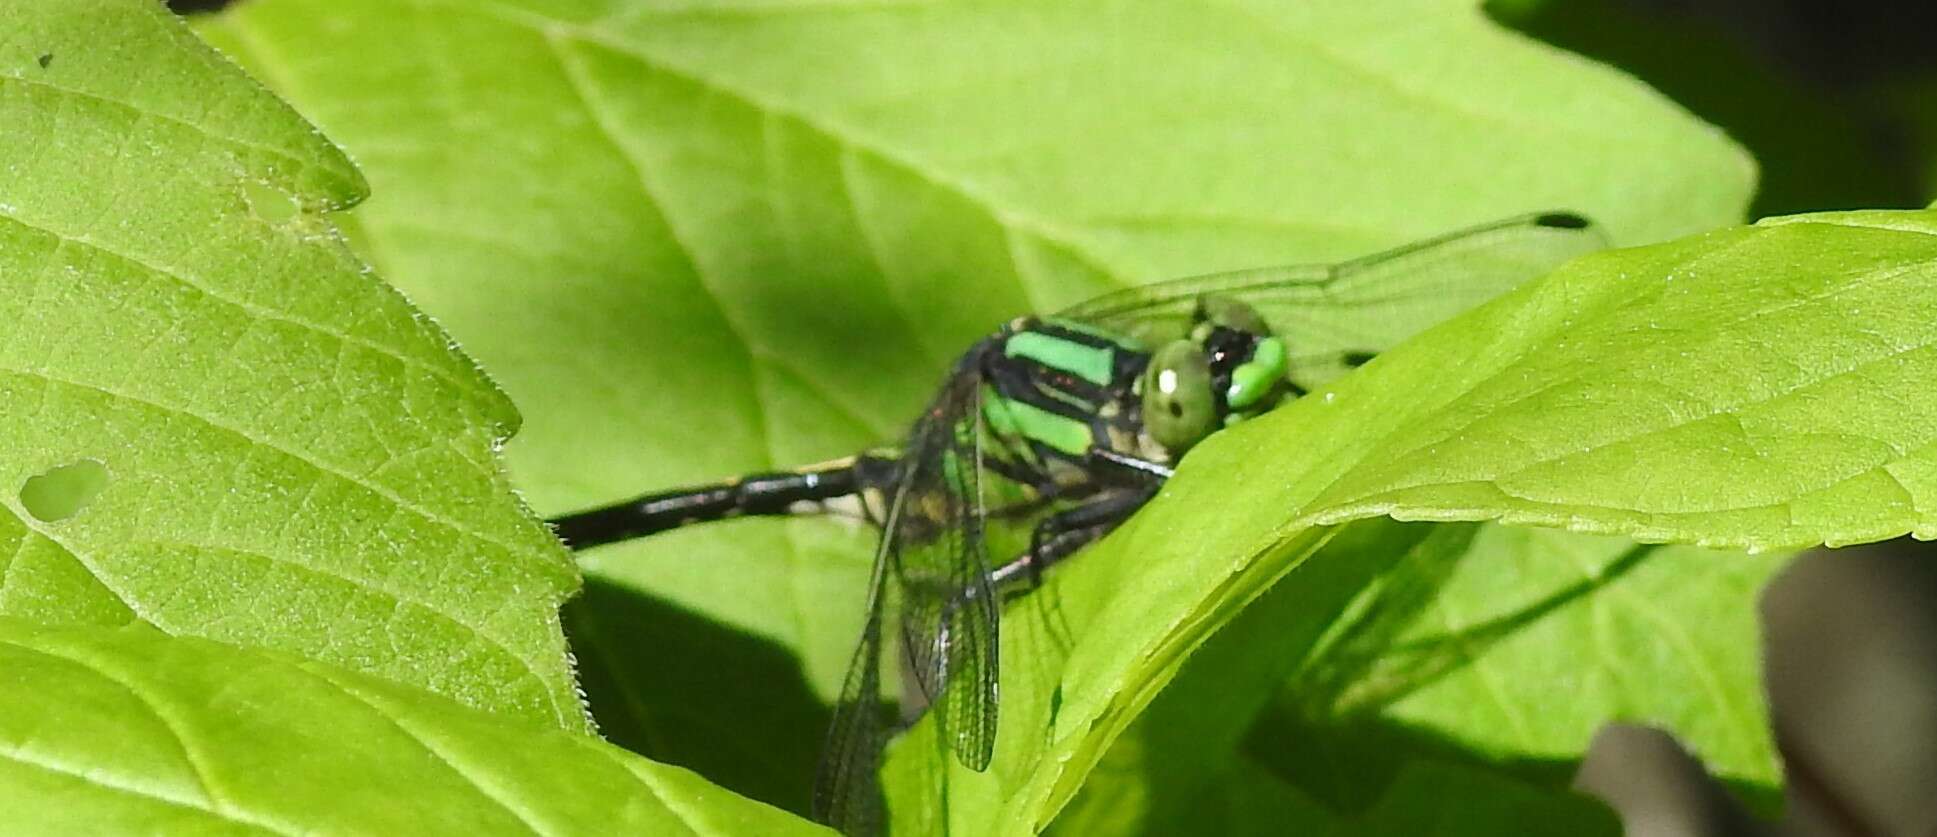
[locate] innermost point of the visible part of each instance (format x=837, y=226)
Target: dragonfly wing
x=970, y=700
x=933, y=553
x=1329, y=314
x=846, y=793
x=949, y=612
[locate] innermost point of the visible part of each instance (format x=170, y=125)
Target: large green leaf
x=125, y=731
x=1753, y=387
x=699, y=239
x=218, y=422
x=1185, y=744
x=1528, y=643
x=1426, y=798
x=1494, y=646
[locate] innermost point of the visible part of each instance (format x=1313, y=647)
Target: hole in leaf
x=61, y=492
x=269, y=203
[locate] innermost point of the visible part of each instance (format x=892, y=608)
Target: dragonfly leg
x=1136, y=467
x=1057, y=537
x=1061, y=534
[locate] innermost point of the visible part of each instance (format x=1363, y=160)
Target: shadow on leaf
x=675, y=686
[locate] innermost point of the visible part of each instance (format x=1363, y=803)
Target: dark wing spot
x=45, y=59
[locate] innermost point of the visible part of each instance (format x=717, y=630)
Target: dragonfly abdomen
x=807, y=490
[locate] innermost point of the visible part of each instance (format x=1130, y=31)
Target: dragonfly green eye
x=1179, y=408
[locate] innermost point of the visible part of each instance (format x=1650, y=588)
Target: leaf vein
x=495, y=795
x=1434, y=101
x=582, y=88
x=553, y=28
x=7, y=574
x=138, y=111
x=33, y=526
x=396, y=500
x=1718, y=411
x=96, y=778
x=876, y=249
x=398, y=599
x=196, y=769
x=257, y=311
x=211, y=805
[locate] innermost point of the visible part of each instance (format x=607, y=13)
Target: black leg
x=1061, y=534
x=1057, y=537
x=1136, y=468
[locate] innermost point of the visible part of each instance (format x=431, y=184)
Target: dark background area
x=1834, y=99
x=1838, y=103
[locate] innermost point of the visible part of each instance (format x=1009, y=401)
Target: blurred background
x=1837, y=101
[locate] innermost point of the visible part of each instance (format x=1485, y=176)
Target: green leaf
x=126, y=730
x=1523, y=649
x=1752, y=387
x=1533, y=640
x=1501, y=648
x=1427, y=798
x=1710, y=390
x=695, y=241
x=1183, y=746
x=1447, y=799
x=218, y=422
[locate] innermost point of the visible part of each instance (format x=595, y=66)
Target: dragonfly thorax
x=1055, y=390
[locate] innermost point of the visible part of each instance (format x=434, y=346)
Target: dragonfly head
x=1229, y=368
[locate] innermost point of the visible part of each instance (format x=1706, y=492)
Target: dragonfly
x=1062, y=427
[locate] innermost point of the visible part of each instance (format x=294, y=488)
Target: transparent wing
x=949, y=612
x=1332, y=315
x=846, y=795
x=932, y=549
